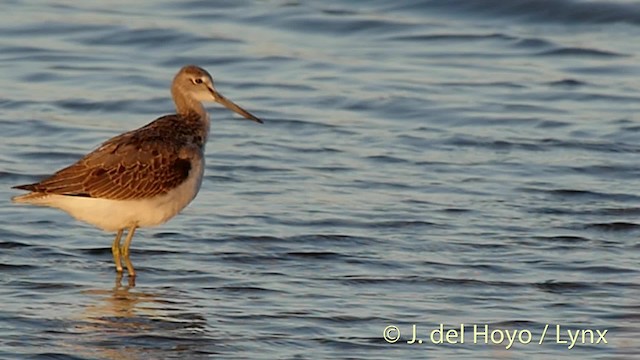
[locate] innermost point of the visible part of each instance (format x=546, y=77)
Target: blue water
x=421, y=162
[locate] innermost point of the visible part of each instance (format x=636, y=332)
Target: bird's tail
x=35, y=198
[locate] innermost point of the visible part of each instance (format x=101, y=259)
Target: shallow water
x=422, y=162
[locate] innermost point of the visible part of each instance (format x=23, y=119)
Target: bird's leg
x=115, y=250
x=118, y=280
x=125, y=250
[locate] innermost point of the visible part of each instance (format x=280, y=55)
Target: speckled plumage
x=138, y=164
x=142, y=177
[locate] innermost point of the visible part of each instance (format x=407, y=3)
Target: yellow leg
x=115, y=250
x=125, y=250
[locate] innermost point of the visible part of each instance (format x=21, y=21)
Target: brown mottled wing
x=139, y=164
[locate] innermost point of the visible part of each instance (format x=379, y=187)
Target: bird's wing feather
x=138, y=164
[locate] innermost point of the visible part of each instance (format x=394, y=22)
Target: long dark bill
x=233, y=107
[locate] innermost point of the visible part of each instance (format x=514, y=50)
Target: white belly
x=113, y=215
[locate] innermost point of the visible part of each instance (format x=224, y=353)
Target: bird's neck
x=192, y=109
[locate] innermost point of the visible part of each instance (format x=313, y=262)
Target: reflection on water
x=130, y=323
x=110, y=307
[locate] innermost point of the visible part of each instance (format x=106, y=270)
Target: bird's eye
x=198, y=81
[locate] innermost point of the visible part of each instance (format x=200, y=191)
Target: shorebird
x=143, y=177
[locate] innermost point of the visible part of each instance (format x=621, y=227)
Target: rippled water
x=422, y=162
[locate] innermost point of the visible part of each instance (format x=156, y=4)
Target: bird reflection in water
x=129, y=323
x=113, y=315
